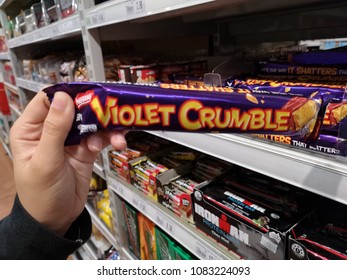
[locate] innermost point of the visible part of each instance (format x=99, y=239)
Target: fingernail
x=59, y=102
x=95, y=141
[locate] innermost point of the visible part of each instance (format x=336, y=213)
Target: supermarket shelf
x=119, y=11
x=107, y=233
x=324, y=175
x=15, y=110
x=90, y=251
x=30, y=85
x=101, y=226
x=64, y=28
x=186, y=234
x=11, y=87
x=4, y=56
x=5, y=3
x=98, y=169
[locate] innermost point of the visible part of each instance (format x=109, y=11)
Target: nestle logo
x=84, y=98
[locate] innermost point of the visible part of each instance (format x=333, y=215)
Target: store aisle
x=7, y=190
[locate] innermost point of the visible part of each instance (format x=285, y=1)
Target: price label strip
x=165, y=223
x=206, y=253
x=133, y=7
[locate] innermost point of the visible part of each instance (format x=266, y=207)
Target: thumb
x=56, y=126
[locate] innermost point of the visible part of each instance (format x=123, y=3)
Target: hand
x=52, y=181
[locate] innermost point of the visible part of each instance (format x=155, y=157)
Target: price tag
x=205, y=253
x=118, y=188
x=135, y=7
x=165, y=223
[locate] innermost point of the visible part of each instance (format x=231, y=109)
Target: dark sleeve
x=22, y=237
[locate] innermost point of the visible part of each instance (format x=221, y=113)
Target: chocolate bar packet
x=326, y=143
x=119, y=106
x=251, y=212
x=334, y=105
x=327, y=93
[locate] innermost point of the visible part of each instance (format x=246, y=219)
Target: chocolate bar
x=119, y=106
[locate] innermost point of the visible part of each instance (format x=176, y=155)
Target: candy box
x=132, y=229
x=138, y=144
x=175, y=190
x=144, y=172
x=147, y=238
x=322, y=235
x=251, y=216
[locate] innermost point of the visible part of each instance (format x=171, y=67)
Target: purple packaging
x=119, y=106
x=333, y=111
x=328, y=73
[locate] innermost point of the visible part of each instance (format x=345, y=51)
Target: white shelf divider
x=30, y=85
x=99, y=170
x=15, y=110
x=191, y=238
x=4, y=56
x=11, y=87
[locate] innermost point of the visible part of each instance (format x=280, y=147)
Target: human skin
x=52, y=181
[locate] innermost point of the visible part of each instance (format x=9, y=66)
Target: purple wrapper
x=119, y=106
x=327, y=93
x=326, y=144
x=334, y=106
x=336, y=74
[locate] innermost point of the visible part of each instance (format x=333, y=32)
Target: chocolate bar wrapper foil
x=119, y=106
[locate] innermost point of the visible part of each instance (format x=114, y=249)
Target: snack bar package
x=119, y=106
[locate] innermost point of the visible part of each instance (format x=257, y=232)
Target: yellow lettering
x=206, y=117
x=183, y=118
x=237, y=121
x=151, y=113
x=257, y=119
x=165, y=111
x=103, y=114
x=218, y=120
x=138, y=115
x=282, y=120
x=126, y=115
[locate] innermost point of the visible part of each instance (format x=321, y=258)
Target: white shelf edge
x=5, y=3
x=90, y=251
x=65, y=27
x=30, y=85
x=15, y=109
x=4, y=56
x=320, y=174
x=112, y=12
x=11, y=87
x=99, y=170
x=196, y=242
